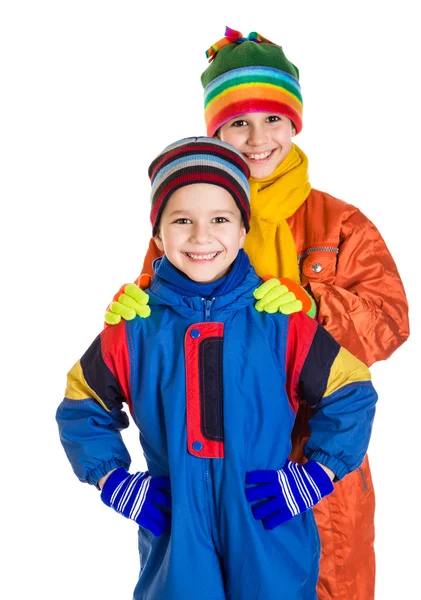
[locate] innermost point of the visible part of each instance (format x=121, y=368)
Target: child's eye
x=182, y=221
x=273, y=118
x=220, y=220
x=239, y=123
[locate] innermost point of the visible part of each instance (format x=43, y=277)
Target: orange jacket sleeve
x=365, y=307
x=152, y=253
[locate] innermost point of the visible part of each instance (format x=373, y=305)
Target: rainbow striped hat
x=198, y=160
x=249, y=75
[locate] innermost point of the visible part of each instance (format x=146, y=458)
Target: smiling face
x=201, y=231
x=264, y=139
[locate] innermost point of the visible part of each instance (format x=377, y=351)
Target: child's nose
x=201, y=234
x=257, y=136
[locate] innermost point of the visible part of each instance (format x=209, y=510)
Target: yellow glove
x=132, y=302
x=284, y=296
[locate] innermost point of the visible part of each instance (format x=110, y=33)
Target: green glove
x=284, y=296
x=133, y=302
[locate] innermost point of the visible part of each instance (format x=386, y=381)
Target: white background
x=91, y=91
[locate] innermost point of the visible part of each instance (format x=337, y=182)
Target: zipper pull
x=208, y=307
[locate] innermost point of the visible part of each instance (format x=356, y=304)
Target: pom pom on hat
x=233, y=36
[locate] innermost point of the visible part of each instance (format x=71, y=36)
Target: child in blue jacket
x=213, y=386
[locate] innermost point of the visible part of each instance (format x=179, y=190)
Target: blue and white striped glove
x=141, y=498
x=288, y=492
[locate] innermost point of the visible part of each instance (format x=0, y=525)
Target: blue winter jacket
x=213, y=387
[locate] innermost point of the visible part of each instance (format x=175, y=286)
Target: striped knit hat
x=198, y=160
x=249, y=75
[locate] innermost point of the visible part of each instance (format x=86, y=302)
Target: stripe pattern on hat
x=252, y=89
x=198, y=160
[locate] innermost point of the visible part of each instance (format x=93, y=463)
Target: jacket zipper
x=317, y=249
x=365, y=486
x=207, y=307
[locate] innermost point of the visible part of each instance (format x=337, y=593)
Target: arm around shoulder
x=131, y=299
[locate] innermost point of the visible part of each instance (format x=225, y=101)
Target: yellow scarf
x=269, y=243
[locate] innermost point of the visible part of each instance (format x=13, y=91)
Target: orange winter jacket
x=347, y=267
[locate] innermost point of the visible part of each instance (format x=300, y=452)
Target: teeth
x=259, y=156
x=202, y=256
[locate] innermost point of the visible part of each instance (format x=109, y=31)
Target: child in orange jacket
x=253, y=101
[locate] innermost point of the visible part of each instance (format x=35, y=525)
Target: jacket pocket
x=319, y=264
x=203, y=346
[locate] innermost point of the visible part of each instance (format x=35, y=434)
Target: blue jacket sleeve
x=91, y=415
x=337, y=386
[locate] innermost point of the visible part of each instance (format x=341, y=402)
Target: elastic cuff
x=105, y=467
x=331, y=462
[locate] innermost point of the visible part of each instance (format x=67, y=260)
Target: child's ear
x=242, y=236
x=158, y=241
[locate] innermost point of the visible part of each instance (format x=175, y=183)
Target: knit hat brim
x=198, y=160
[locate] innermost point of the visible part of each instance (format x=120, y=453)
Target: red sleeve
x=106, y=367
x=115, y=353
x=301, y=331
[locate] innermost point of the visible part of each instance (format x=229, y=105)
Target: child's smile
x=264, y=139
x=202, y=257
x=260, y=156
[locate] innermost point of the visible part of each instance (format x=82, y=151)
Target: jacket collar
x=234, y=290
